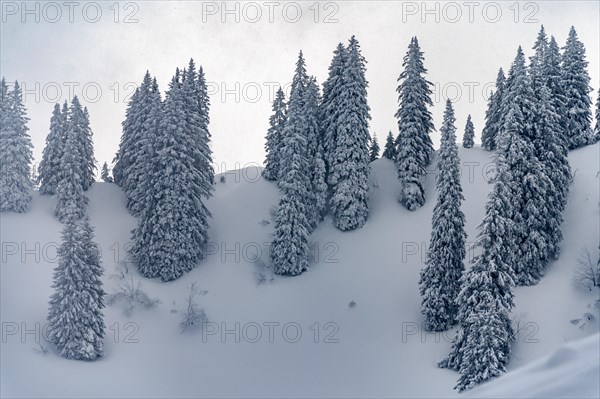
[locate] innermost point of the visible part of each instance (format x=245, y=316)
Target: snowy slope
x=374, y=348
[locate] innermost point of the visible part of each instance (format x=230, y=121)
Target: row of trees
x=318, y=151
x=520, y=232
x=164, y=166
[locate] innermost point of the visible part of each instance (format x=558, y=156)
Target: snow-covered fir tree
x=374, y=150
x=317, y=197
x=289, y=248
x=329, y=110
x=172, y=227
x=15, y=151
x=540, y=48
x=469, y=136
x=299, y=85
x=78, y=127
x=552, y=77
x=576, y=86
x=275, y=136
x=440, y=279
x=351, y=161
x=71, y=202
x=49, y=170
x=493, y=114
x=482, y=346
x=415, y=123
x=105, y=175
x=123, y=156
x=389, y=150
x=75, y=320
x=139, y=172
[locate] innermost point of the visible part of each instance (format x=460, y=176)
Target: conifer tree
x=374, y=150
x=122, y=158
x=481, y=348
x=440, y=279
x=351, y=161
x=468, y=138
x=317, y=194
x=415, y=123
x=71, y=202
x=329, y=110
x=15, y=151
x=106, y=177
x=289, y=248
x=274, y=137
x=75, y=320
x=552, y=77
x=540, y=48
x=389, y=151
x=576, y=86
x=494, y=114
x=597, y=126
x=139, y=172
x=78, y=127
x=55, y=141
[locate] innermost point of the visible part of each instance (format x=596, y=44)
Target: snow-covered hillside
x=350, y=327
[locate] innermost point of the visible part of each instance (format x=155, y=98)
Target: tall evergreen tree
x=494, y=114
x=78, y=127
x=122, y=158
x=440, y=279
x=15, y=151
x=75, y=320
x=274, y=137
x=351, y=161
x=289, y=248
x=576, y=86
x=329, y=110
x=468, y=137
x=317, y=195
x=173, y=224
x=540, y=48
x=389, y=151
x=374, y=150
x=55, y=141
x=552, y=77
x=71, y=202
x=481, y=348
x=415, y=123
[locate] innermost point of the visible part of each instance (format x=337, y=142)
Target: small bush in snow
x=130, y=294
x=587, y=273
x=194, y=316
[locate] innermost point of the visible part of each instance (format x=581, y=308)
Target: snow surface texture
x=364, y=282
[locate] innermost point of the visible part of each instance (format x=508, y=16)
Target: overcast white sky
x=248, y=48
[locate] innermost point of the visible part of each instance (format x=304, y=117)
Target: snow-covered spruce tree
x=481, y=348
x=105, y=175
x=329, y=110
x=49, y=170
x=123, y=156
x=75, y=320
x=317, y=196
x=440, y=279
x=139, y=172
x=173, y=224
x=15, y=151
x=374, y=150
x=415, y=123
x=351, y=162
x=274, y=137
x=389, y=151
x=299, y=85
x=469, y=136
x=493, y=114
x=78, y=127
x=71, y=202
x=552, y=77
x=289, y=248
x=540, y=49
x=576, y=86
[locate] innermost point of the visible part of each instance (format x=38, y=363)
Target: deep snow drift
x=349, y=327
